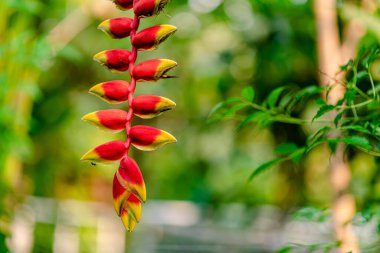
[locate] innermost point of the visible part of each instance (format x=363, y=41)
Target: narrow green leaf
x=264, y=167
x=286, y=148
x=256, y=116
x=338, y=118
x=323, y=110
x=309, y=91
x=320, y=102
x=318, y=135
x=248, y=93
x=356, y=141
x=356, y=128
x=222, y=104
x=274, y=95
x=233, y=109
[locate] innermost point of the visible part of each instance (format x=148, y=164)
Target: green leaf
x=264, y=167
x=233, y=109
x=318, y=135
x=354, y=141
x=309, y=91
x=286, y=148
x=248, y=93
x=256, y=116
x=338, y=118
x=222, y=104
x=274, y=95
x=320, y=102
x=323, y=110
x=356, y=128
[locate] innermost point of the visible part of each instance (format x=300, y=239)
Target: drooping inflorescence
x=128, y=185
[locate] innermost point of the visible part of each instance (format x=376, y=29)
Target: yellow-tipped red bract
x=149, y=106
x=153, y=70
x=131, y=213
x=148, y=8
x=148, y=138
x=116, y=60
x=130, y=177
x=123, y=4
x=120, y=195
x=112, y=92
x=106, y=153
x=112, y=120
x=117, y=28
x=150, y=38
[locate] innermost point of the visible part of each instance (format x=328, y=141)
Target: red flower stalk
x=129, y=190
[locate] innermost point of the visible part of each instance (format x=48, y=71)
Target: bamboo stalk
x=331, y=55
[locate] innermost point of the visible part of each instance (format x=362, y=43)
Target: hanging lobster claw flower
x=150, y=38
x=148, y=8
x=112, y=92
x=120, y=195
x=123, y=4
x=106, y=153
x=148, y=106
x=149, y=138
x=109, y=120
x=153, y=70
x=117, y=28
x=130, y=177
x=117, y=60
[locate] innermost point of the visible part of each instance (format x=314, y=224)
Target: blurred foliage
x=222, y=47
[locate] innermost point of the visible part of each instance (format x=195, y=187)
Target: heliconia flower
x=148, y=8
x=112, y=92
x=130, y=177
x=149, y=138
x=123, y=4
x=117, y=28
x=112, y=120
x=106, y=153
x=117, y=60
x=148, y=106
x=120, y=195
x=150, y=38
x=153, y=70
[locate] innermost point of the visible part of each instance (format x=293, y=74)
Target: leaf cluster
x=354, y=120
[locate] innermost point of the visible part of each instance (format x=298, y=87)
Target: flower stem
x=132, y=87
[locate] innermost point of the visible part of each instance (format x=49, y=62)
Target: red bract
x=130, y=177
x=116, y=60
x=106, y=153
x=153, y=70
x=152, y=37
x=148, y=106
x=148, y=138
x=109, y=120
x=148, y=8
x=112, y=92
x=117, y=28
x=128, y=184
x=123, y=4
